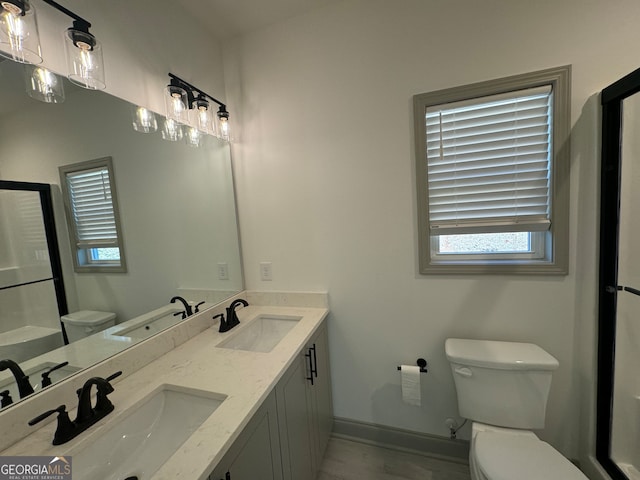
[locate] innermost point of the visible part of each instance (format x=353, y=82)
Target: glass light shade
x=144, y=121
x=223, y=130
x=171, y=130
x=44, y=85
x=84, y=59
x=176, y=103
x=19, y=37
x=201, y=116
x=193, y=137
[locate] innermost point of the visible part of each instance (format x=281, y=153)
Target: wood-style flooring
x=351, y=460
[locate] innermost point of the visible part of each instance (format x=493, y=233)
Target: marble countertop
x=246, y=378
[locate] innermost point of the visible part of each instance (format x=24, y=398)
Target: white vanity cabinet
x=305, y=411
x=256, y=453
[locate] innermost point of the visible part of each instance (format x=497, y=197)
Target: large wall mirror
x=618, y=414
x=177, y=212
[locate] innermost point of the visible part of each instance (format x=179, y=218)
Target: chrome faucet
x=24, y=387
x=87, y=415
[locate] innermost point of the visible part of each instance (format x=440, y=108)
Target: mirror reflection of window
x=92, y=214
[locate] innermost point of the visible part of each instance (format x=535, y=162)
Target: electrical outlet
x=223, y=271
x=266, y=274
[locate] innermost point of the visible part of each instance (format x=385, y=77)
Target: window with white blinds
x=489, y=163
x=92, y=208
x=492, y=174
x=92, y=216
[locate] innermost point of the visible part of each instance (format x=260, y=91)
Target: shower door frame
x=610, y=184
x=46, y=203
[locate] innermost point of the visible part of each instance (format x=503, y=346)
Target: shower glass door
x=31, y=290
x=618, y=404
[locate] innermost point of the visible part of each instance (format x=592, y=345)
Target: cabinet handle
x=314, y=370
x=308, y=355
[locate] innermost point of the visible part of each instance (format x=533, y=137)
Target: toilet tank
x=501, y=383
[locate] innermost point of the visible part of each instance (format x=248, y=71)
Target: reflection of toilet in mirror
x=502, y=387
x=85, y=323
x=28, y=342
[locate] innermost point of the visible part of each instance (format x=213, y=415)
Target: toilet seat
x=500, y=456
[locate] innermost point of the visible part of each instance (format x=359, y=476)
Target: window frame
x=555, y=258
x=82, y=257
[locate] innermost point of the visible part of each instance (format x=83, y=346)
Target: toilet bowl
x=502, y=387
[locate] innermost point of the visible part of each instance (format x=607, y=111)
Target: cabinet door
x=321, y=390
x=256, y=453
x=294, y=419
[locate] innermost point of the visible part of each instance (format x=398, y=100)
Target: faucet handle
x=66, y=428
x=46, y=380
x=6, y=398
x=196, y=308
x=113, y=375
x=224, y=327
x=103, y=404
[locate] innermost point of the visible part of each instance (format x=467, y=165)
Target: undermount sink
x=141, y=440
x=261, y=334
x=149, y=326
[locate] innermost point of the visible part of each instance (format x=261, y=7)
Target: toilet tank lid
x=88, y=317
x=499, y=355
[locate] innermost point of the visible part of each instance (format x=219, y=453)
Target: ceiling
x=230, y=18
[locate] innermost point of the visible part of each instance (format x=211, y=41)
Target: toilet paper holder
x=422, y=363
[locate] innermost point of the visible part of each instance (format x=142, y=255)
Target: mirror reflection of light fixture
x=182, y=97
x=144, y=120
x=171, y=130
x=193, y=137
x=43, y=85
x=19, y=37
x=20, y=41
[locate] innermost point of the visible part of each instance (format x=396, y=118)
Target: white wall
x=326, y=187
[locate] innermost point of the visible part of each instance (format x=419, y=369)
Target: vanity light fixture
x=84, y=53
x=43, y=85
x=183, y=99
x=20, y=41
x=19, y=37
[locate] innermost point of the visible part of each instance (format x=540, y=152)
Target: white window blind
x=92, y=208
x=488, y=163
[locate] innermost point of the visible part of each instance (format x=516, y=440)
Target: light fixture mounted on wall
x=20, y=41
x=183, y=100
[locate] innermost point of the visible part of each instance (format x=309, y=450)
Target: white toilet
x=502, y=388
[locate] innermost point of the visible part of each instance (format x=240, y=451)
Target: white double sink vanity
x=193, y=403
